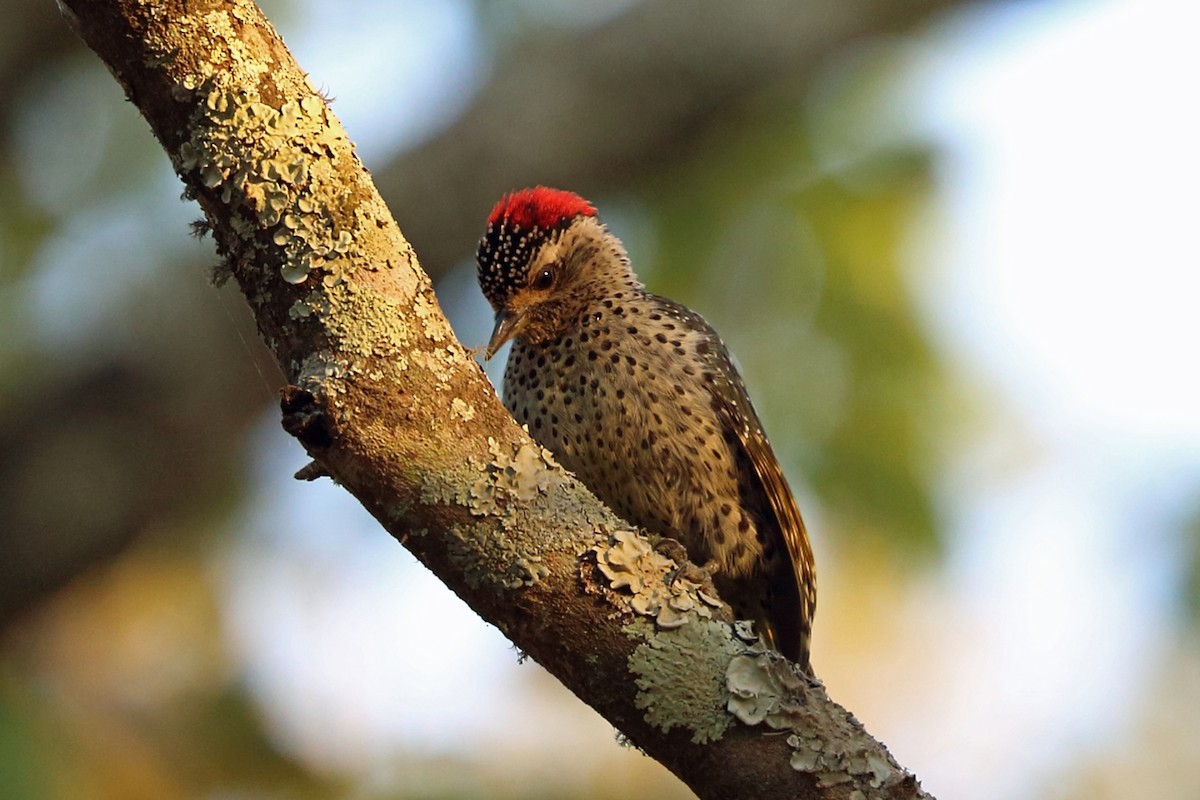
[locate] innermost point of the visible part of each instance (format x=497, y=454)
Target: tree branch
x=390, y=405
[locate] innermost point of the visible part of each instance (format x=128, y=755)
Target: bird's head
x=544, y=259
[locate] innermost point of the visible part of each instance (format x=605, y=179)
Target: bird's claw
x=701, y=575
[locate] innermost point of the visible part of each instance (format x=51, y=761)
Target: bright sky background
x=1060, y=269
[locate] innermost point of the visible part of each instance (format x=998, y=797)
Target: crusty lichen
x=488, y=560
x=766, y=689
x=510, y=478
x=262, y=142
x=694, y=671
x=679, y=666
x=504, y=486
x=680, y=676
x=263, y=161
x=274, y=165
x=651, y=582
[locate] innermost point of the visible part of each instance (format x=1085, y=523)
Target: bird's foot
x=701, y=575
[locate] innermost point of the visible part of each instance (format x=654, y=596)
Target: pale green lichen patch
x=261, y=141
x=319, y=373
x=490, y=560
x=680, y=676
x=383, y=327
x=508, y=480
x=523, y=474
x=517, y=484
x=433, y=322
x=299, y=310
x=267, y=160
x=647, y=577
x=766, y=689
x=263, y=161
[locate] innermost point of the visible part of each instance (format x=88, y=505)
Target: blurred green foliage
x=801, y=270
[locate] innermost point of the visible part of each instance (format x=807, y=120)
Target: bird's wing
x=766, y=489
x=794, y=622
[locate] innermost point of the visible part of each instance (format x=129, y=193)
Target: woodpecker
x=638, y=396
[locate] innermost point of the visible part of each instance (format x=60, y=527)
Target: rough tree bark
x=388, y=403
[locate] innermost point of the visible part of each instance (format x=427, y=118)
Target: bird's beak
x=507, y=323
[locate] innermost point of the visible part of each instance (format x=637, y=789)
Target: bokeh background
x=952, y=244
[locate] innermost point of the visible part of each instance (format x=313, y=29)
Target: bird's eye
x=544, y=279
